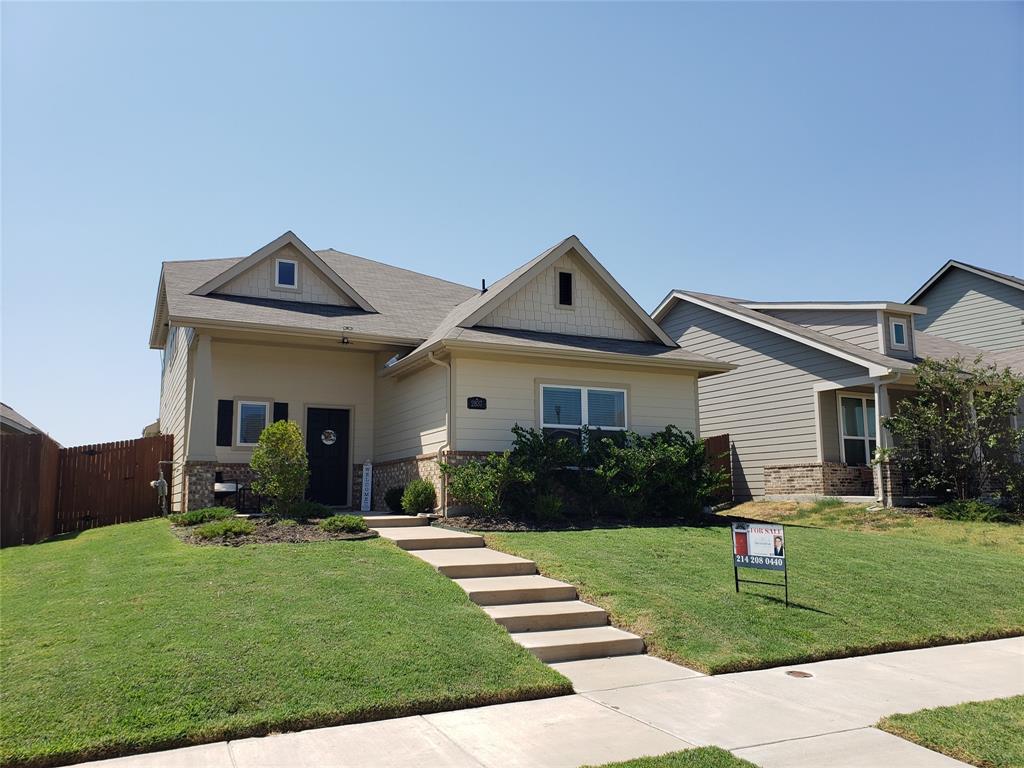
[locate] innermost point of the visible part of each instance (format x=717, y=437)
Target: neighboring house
x=814, y=379
x=13, y=423
x=381, y=364
x=974, y=306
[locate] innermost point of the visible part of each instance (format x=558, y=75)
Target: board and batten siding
x=975, y=310
x=410, y=413
x=766, y=404
x=173, y=401
x=654, y=400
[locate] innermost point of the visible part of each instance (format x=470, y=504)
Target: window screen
x=606, y=408
x=252, y=418
x=563, y=405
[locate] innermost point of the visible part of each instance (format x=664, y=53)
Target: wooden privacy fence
x=47, y=490
x=720, y=450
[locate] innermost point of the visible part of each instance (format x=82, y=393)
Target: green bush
x=204, y=515
x=484, y=484
x=286, y=522
x=419, y=496
x=617, y=474
x=225, y=529
x=344, y=524
x=974, y=510
x=281, y=465
x=393, y=498
x=303, y=510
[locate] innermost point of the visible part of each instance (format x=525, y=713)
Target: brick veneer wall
x=400, y=472
x=818, y=479
x=199, y=477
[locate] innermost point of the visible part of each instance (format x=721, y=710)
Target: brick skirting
x=199, y=478
x=400, y=472
x=818, y=479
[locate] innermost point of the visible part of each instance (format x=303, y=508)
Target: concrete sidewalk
x=639, y=705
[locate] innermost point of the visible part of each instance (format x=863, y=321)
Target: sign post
x=762, y=546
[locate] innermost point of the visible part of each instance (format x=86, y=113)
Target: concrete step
x=583, y=643
x=537, y=617
x=502, y=590
x=394, y=521
x=426, y=537
x=476, y=563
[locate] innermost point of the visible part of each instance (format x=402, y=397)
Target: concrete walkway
x=629, y=706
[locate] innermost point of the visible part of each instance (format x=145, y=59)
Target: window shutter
x=280, y=411
x=225, y=413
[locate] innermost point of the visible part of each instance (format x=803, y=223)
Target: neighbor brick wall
x=818, y=479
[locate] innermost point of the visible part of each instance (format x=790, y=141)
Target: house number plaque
x=476, y=403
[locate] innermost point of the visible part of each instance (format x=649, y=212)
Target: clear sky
x=768, y=151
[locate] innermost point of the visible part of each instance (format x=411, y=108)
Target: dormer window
x=898, y=334
x=286, y=274
x=565, y=289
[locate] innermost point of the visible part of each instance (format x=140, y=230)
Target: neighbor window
x=565, y=289
x=287, y=274
x=857, y=427
x=573, y=407
x=252, y=419
x=898, y=333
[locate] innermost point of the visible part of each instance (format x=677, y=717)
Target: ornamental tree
x=281, y=465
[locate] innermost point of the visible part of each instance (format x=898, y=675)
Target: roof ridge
x=393, y=266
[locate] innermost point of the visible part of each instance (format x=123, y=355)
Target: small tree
x=956, y=437
x=281, y=465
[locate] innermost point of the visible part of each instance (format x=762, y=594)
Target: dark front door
x=327, y=446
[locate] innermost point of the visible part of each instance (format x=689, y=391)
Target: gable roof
x=288, y=238
x=11, y=418
x=999, y=277
x=876, y=363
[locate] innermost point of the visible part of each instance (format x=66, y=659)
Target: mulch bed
x=269, y=532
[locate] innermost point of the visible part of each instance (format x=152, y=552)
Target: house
x=13, y=423
x=804, y=406
x=383, y=365
x=974, y=306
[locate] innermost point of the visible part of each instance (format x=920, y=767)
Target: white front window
x=898, y=334
x=286, y=273
x=857, y=429
x=252, y=420
x=569, y=407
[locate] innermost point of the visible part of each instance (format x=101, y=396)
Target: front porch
x=848, y=429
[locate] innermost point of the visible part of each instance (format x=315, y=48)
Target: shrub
x=286, y=522
x=303, y=510
x=344, y=524
x=667, y=474
x=393, y=498
x=204, y=515
x=281, y=465
x=419, y=496
x=973, y=510
x=485, y=484
x=549, y=509
x=225, y=529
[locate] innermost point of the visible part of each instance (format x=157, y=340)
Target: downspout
x=447, y=427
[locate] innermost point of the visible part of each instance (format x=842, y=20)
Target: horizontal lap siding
x=655, y=399
x=973, y=310
x=173, y=400
x=857, y=326
x=410, y=414
x=767, y=404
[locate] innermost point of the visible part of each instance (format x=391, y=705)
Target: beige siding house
x=813, y=380
x=401, y=370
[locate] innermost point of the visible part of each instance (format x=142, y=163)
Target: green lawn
x=124, y=639
x=858, y=587
x=703, y=757
x=984, y=733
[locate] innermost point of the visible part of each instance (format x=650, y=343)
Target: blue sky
x=770, y=151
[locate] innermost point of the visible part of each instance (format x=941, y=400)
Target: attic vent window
x=898, y=333
x=565, y=289
x=287, y=274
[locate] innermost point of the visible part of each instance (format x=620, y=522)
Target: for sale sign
x=759, y=545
